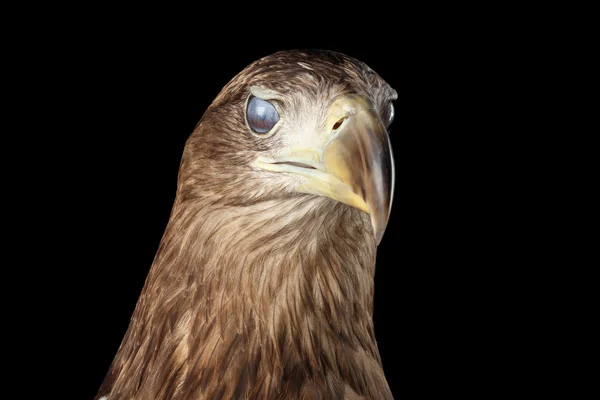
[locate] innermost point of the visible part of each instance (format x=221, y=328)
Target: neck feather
x=256, y=301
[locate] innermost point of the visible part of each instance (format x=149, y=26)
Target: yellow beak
x=349, y=161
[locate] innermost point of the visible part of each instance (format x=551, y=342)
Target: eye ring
x=261, y=116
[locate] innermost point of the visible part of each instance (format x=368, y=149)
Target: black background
x=126, y=95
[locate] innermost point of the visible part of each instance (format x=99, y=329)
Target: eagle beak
x=349, y=161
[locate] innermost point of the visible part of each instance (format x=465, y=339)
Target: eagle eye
x=388, y=115
x=261, y=115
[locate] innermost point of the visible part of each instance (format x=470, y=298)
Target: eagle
x=262, y=285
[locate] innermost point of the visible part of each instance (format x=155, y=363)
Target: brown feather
x=257, y=292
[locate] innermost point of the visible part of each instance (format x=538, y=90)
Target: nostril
x=337, y=124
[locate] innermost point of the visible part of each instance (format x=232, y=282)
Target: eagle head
x=292, y=123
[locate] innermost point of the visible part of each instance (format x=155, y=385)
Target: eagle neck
x=261, y=297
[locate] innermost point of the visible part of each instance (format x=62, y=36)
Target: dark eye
x=388, y=115
x=261, y=115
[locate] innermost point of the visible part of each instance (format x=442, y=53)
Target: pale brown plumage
x=257, y=291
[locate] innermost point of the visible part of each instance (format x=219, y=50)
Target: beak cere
x=355, y=163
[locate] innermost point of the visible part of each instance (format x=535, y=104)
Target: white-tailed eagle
x=262, y=286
